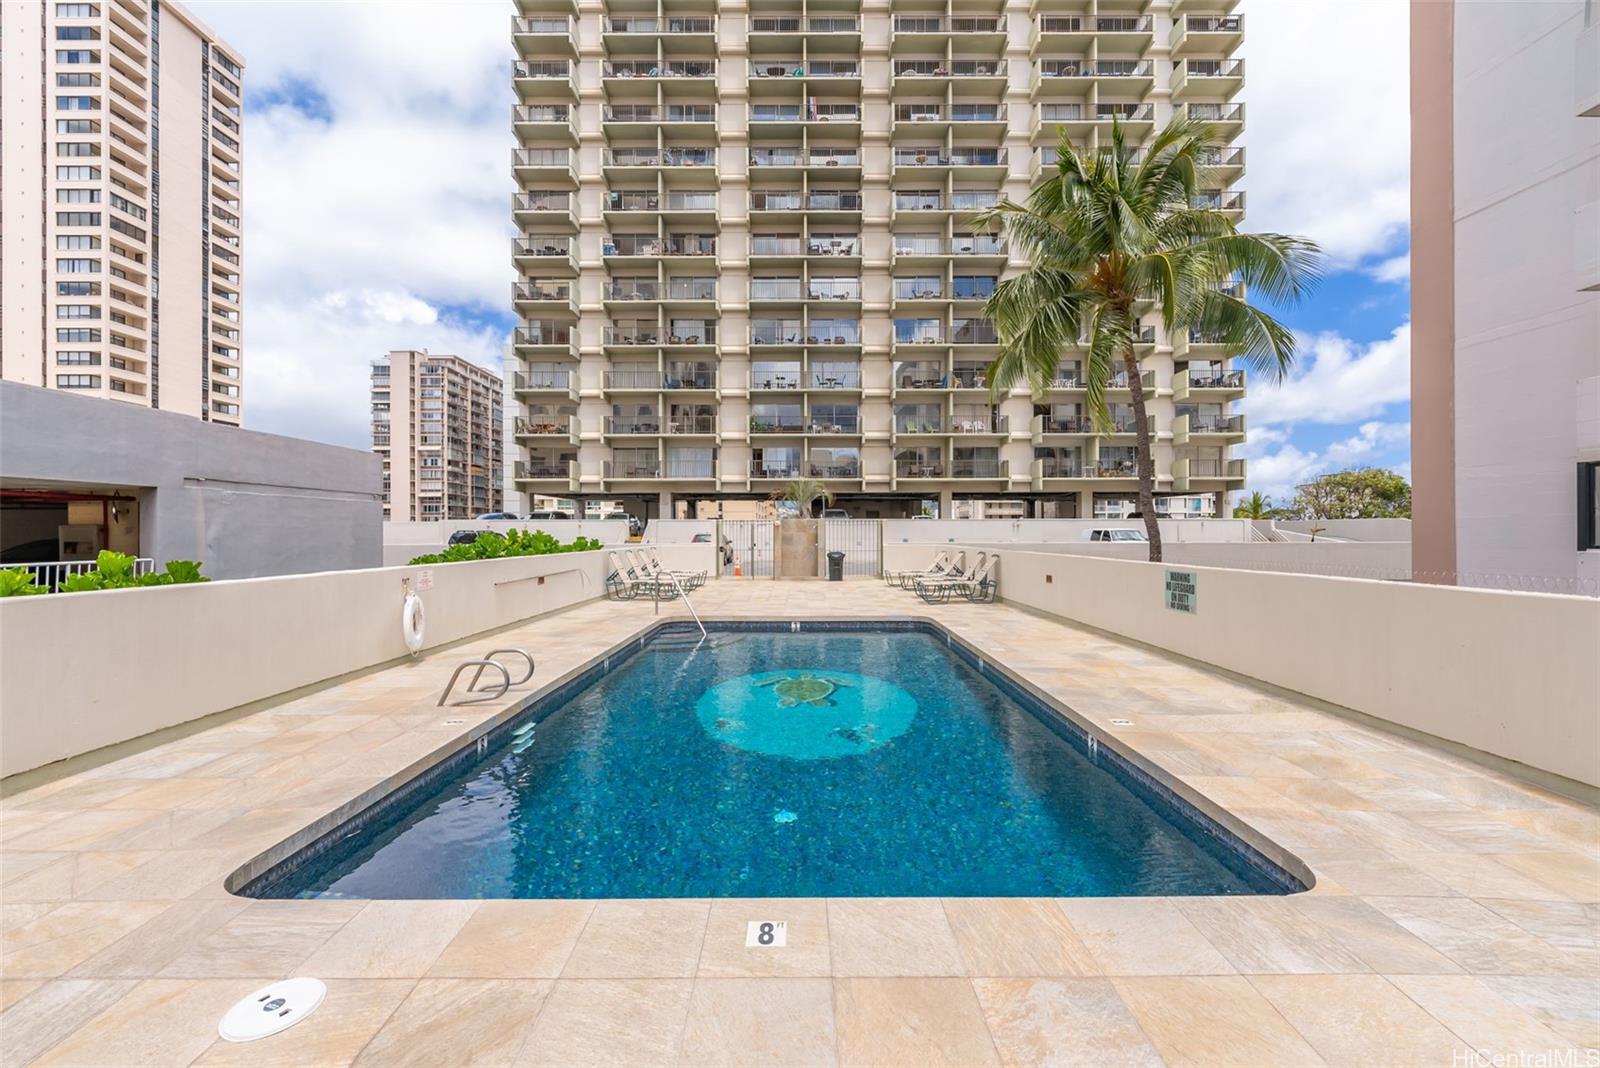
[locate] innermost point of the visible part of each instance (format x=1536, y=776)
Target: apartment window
x=77, y=334
x=77, y=174
x=77, y=103
x=76, y=11
x=77, y=148
x=78, y=80
x=77, y=266
x=77, y=33
x=124, y=204
x=77, y=356
x=77, y=196
x=1588, y=506
x=127, y=228
x=77, y=289
x=77, y=311
x=77, y=218
x=77, y=381
x=77, y=126
x=76, y=56
x=77, y=242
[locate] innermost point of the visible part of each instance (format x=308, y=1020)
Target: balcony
x=553, y=210
x=1228, y=202
x=769, y=423
x=918, y=470
x=1207, y=384
x=993, y=426
x=547, y=79
x=1050, y=468
x=631, y=470
x=544, y=167
x=967, y=162
x=1075, y=76
x=693, y=72
x=544, y=254
x=1210, y=430
x=1226, y=120
x=560, y=476
x=632, y=426
x=835, y=472
x=1208, y=34
x=621, y=31
x=1186, y=471
x=695, y=426
x=1207, y=77
x=540, y=35
x=820, y=33
x=545, y=385
x=985, y=470
x=922, y=32
x=775, y=470
x=546, y=429
x=1223, y=165
x=537, y=298
x=985, y=75
x=671, y=119
x=1046, y=427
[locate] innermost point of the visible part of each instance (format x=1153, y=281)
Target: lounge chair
x=940, y=566
x=628, y=581
x=959, y=573
x=980, y=587
x=649, y=564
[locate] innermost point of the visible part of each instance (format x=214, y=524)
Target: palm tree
x=1255, y=506
x=1109, y=233
x=805, y=492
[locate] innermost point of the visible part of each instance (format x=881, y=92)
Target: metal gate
x=861, y=541
x=749, y=542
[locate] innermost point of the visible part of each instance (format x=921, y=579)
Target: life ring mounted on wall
x=412, y=623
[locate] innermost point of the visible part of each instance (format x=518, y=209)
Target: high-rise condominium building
x=436, y=423
x=1505, y=293
x=121, y=205
x=747, y=248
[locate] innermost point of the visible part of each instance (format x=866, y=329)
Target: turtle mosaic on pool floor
x=804, y=688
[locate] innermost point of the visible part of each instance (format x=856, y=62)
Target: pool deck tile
x=1454, y=904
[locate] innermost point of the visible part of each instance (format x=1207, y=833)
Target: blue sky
x=377, y=188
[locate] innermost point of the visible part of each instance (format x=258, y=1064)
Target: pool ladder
x=505, y=682
x=684, y=594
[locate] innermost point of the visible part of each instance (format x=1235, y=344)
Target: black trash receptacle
x=835, y=566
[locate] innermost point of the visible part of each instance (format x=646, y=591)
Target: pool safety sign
x=768, y=933
x=1181, y=591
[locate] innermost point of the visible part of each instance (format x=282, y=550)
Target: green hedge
x=492, y=546
x=112, y=571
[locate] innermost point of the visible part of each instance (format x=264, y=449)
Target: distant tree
x=1359, y=493
x=1255, y=506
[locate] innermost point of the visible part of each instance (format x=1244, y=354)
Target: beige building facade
x=122, y=205
x=436, y=424
x=746, y=249
x=1505, y=203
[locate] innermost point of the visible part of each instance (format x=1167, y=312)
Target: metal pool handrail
x=685, y=595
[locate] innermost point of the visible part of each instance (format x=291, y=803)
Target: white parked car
x=1115, y=534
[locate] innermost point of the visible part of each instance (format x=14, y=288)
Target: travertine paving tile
x=14, y=990
x=1479, y=940
x=891, y=936
x=1381, y=944
x=158, y=1022
x=1359, y=1020
x=770, y=1022
x=147, y=949
x=725, y=955
x=604, y=1023
x=458, y=1022
x=1567, y=924
x=332, y=1036
x=65, y=937
x=515, y=940
x=654, y=939
x=1213, y=1020
x=53, y=1011
x=264, y=938
x=1142, y=936
x=1478, y=1016
x=1567, y=1005
x=1017, y=936
x=1568, y=874
x=390, y=940
x=1063, y=1023
x=914, y=1022
x=1267, y=934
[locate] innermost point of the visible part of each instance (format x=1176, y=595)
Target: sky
x=378, y=186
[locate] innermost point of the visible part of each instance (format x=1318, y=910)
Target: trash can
x=835, y=566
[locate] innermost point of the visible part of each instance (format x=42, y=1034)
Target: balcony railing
x=542, y=246
x=632, y=425
x=543, y=291
x=1216, y=424
x=545, y=68
x=541, y=157
x=941, y=24
x=995, y=424
x=544, y=426
x=774, y=423
x=978, y=468
x=918, y=469
x=649, y=68
x=796, y=24
x=647, y=24
x=1216, y=112
x=1208, y=378
x=1066, y=424
x=833, y=201
x=774, y=469
x=1123, y=24
x=1214, y=68
x=656, y=113
x=542, y=472
x=542, y=380
x=836, y=423
x=1213, y=23
x=1087, y=68
x=1119, y=380
x=542, y=113
x=1215, y=200
x=834, y=470
x=631, y=469
x=545, y=24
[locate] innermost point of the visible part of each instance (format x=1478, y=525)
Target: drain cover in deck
x=272, y=1009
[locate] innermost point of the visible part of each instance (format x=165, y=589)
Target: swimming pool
x=781, y=761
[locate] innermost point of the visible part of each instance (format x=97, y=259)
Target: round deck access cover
x=272, y=1009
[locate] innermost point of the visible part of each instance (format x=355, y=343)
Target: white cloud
x=1277, y=472
x=1328, y=99
x=1336, y=380
x=1393, y=269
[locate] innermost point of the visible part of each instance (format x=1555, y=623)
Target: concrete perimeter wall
x=1053, y=531
x=167, y=655
x=1352, y=559
x=1515, y=675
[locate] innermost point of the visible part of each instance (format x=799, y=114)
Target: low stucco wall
x=1054, y=531
x=86, y=670
x=1512, y=674
x=1351, y=559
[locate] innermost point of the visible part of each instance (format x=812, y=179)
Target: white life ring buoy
x=411, y=622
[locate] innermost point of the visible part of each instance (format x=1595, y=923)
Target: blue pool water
x=810, y=764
